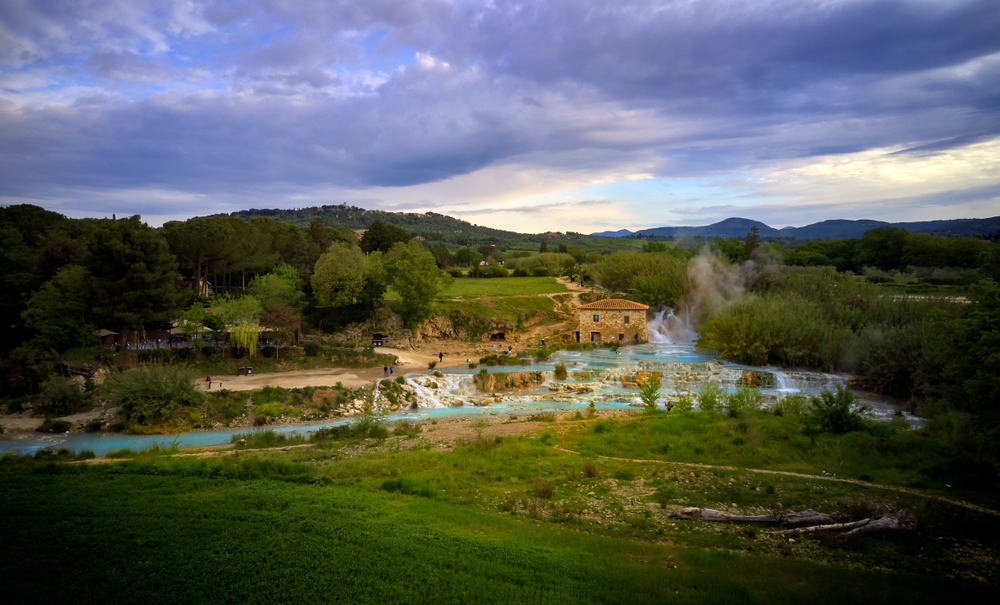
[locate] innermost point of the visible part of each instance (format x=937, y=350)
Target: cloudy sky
x=532, y=116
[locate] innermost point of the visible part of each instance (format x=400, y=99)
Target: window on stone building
x=597, y=318
x=626, y=319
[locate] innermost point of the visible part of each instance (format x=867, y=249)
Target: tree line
x=67, y=278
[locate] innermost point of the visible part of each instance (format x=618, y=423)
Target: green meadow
x=410, y=518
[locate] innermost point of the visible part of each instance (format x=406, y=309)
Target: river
x=594, y=376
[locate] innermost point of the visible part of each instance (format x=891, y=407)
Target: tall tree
x=414, y=275
x=279, y=287
x=339, y=276
x=59, y=312
x=751, y=243
x=282, y=322
x=382, y=236
x=134, y=276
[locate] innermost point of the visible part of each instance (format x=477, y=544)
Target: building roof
x=614, y=304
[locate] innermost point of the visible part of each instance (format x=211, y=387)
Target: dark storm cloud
x=267, y=94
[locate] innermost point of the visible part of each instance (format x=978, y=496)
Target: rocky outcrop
x=507, y=381
x=757, y=379
x=637, y=380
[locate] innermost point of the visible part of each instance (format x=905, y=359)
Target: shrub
x=371, y=426
x=311, y=349
x=271, y=394
x=684, y=402
x=545, y=489
x=51, y=425
x=560, y=372
x=264, y=439
x=542, y=417
x=710, y=398
x=61, y=396
x=150, y=393
x=837, y=413
x=746, y=398
x=791, y=406
x=272, y=409
x=408, y=429
x=650, y=391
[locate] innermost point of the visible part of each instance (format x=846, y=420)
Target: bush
x=264, y=439
x=837, y=413
x=405, y=485
x=791, y=406
x=560, y=372
x=650, y=391
x=684, y=402
x=51, y=425
x=407, y=429
x=150, y=393
x=710, y=398
x=61, y=396
x=311, y=349
x=746, y=398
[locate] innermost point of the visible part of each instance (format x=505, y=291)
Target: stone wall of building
x=612, y=325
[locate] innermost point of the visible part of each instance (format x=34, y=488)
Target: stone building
x=612, y=320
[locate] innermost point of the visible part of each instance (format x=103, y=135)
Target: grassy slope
x=472, y=287
x=494, y=520
x=132, y=538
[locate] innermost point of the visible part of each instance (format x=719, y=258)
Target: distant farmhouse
x=612, y=320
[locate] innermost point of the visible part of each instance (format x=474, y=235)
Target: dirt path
x=409, y=361
x=901, y=490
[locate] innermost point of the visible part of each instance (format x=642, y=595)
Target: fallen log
x=806, y=517
x=709, y=514
x=850, y=525
x=901, y=521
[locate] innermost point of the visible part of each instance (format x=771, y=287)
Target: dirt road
x=409, y=361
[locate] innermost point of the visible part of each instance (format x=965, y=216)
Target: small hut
x=107, y=337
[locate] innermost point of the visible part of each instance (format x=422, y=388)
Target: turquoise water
x=456, y=396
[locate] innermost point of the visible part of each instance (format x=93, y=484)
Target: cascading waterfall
x=445, y=391
x=667, y=328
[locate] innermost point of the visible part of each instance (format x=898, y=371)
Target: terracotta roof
x=612, y=304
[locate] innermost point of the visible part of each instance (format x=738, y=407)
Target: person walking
x=208, y=380
x=440, y=357
x=385, y=370
x=390, y=369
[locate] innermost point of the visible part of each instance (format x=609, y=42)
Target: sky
x=556, y=115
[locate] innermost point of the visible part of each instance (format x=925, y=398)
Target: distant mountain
x=730, y=227
x=831, y=229
x=619, y=233
x=836, y=228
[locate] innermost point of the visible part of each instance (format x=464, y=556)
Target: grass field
x=494, y=520
x=472, y=287
x=493, y=287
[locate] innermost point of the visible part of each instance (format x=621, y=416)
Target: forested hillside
x=435, y=227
